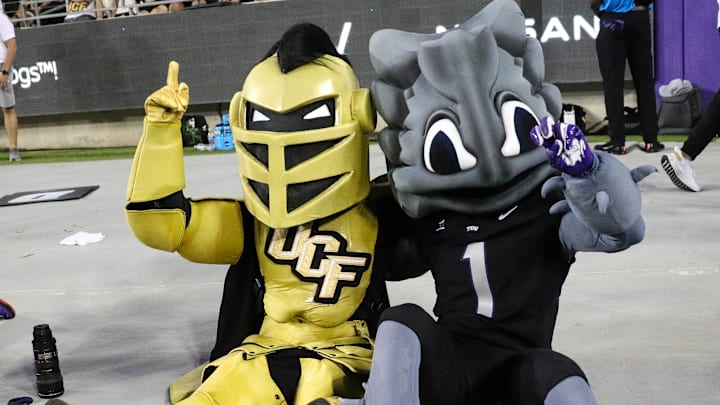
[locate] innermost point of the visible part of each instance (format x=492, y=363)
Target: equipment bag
x=679, y=109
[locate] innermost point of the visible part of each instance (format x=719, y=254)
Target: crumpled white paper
x=82, y=239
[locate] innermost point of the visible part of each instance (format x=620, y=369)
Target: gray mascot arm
x=601, y=209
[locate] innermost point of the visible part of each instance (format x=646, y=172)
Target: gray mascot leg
x=395, y=371
x=571, y=391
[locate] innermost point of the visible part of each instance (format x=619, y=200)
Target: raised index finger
x=172, y=77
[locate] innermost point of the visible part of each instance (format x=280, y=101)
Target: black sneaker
x=612, y=148
x=653, y=147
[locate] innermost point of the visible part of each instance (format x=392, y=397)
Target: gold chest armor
x=317, y=272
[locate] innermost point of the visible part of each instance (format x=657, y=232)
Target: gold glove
x=168, y=104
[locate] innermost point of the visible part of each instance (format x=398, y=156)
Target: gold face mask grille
x=290, y=181
x=300, y=140
x=297, y=154
x=299, y=194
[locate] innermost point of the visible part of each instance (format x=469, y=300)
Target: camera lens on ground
x=47, y=363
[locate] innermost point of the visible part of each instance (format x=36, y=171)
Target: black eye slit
x=320, y=114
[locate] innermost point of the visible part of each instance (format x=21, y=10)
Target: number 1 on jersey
x=475, y=256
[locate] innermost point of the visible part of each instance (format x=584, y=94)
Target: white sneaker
x=680, y=170
x=14, y=155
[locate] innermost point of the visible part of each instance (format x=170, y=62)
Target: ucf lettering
x=320, y=257
x=76, y=6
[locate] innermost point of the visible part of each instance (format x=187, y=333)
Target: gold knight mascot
x=300, y=291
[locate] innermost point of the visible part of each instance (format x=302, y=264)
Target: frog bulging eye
x=518, y=121
x=444, y=152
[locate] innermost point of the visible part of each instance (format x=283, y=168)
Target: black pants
x=459, y=370
x=627, y=36
x=705, y=130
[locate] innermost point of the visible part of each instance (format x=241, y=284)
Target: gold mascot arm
x=159, y=229
x=213, y=233
x=157, y=168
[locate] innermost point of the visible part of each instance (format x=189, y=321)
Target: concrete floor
x=644, y=324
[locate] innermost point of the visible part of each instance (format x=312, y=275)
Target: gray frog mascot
x=502, y=198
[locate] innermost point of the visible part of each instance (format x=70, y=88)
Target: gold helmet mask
x=301, y=140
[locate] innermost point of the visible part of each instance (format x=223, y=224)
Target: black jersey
x=497, y=276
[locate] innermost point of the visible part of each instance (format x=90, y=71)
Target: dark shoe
x=612, y=148
x=653, y=147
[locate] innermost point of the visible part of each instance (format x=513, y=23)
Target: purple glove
x=565, y=146
x=6, y=310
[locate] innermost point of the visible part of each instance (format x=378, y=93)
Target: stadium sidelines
x=129, y=320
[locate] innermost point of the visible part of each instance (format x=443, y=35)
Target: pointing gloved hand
x=168, y=104
x=565, y=146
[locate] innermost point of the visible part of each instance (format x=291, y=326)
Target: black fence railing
x=35, y=13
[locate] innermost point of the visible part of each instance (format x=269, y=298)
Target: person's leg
x=677, y=163
x=161, y=9
x=704, y=131
x=11, y=127
x=611, y=59
x=176, y=6
x=639, y=53
x=7, y=102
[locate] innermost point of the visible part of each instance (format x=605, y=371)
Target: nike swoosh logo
x=506, y=213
